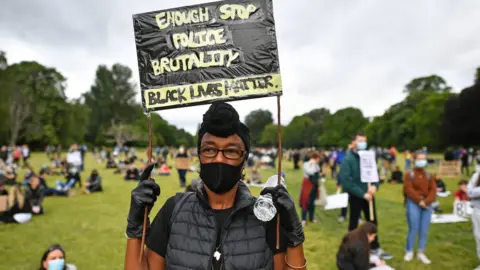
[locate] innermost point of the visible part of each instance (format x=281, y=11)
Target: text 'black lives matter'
x=199, y=54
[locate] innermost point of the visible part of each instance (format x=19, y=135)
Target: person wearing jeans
x=420, y=190
x=473, y=191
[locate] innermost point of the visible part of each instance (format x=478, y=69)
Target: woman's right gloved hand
x=144, y=195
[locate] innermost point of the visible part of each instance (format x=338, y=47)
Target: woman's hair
x=478, y=181
x=417, y=153
x=359, y=234
x=314, y=155
x=50, y=249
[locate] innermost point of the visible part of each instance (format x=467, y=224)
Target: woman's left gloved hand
x=289, y=220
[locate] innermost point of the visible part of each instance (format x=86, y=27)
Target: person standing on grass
x=473, y=192
x=182, y=165
x=359, y=193
x=421, y=191
x=215, y=227
x=310, y=185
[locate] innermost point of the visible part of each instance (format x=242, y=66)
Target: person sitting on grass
x=354, y=251
x=10, y=176
x=18, y=209
x=461, y=193
x=111, y=163
x=54, y=259
x=48, y=191
x=94, y=183
x=34, y=192
x=397, y=176
x=73, y=176
x=164, y=169
x=132, y=173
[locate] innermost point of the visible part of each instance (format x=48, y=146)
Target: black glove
x=144, y=195
x=289, y=220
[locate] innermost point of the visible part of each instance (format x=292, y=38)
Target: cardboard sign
x=462, y=208
x=447, y=218
x=449, y=169
x=368, y=167
x=183, y=163
x=203, y=53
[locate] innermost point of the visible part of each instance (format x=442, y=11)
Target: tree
x=461, y=121
x=317, y=128
x=29, y=89
x=256, y=121
x=294, y=134
x=477, y=76
x=269, y=135
x=341, y=126
x=432, y=83
x=112, y=102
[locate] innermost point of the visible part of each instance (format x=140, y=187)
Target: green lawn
x=91, y=227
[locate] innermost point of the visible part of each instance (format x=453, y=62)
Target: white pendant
x=217, y=255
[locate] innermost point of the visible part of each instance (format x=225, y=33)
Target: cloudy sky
x=333, y=54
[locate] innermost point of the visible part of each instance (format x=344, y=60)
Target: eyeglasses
x=229, y=153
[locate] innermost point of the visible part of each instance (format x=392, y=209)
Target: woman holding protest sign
x=214, y=227
x=420, y=190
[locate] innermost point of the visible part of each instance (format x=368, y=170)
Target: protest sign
x=183, y=163
x=336, y=201
x=450, y=169
x=368, y=167
x=462, y=208
x=200, y=54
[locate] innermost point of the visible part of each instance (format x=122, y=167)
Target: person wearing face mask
x=182, y=163
x=359, y=193
x=215, y=227
x=421, y=191
x=54, y=259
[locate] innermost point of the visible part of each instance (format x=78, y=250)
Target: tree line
x=35, y=110
x=431, y=115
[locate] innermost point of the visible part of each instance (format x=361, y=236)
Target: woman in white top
x=309, y=193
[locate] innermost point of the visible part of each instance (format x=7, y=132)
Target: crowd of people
x=360, y=248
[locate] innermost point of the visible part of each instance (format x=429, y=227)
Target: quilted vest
x=193, y=235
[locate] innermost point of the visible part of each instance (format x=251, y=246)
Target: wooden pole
x=145, y=215
x=370, y=205
x=280, y=155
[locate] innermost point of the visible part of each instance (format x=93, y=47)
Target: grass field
x=91, y=227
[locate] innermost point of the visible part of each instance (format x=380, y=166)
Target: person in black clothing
x=354, y=251
x=4, y=153
x=94, y=183
x=296, y=160
x=34, y=192
x=397, y=176
x=132, y=173
x=464, y=161
x=214, y=227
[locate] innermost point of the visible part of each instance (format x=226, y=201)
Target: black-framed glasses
x=228, y=153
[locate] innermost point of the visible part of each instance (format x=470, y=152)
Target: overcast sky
x=333, y=54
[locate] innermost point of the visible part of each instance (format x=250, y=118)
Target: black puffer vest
x=193, y=235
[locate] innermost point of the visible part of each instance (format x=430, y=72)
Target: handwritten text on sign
x=368, y=167
x=215, y=51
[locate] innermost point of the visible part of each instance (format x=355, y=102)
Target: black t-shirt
x=159, y=234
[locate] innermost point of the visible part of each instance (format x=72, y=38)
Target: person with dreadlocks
x=215, y=227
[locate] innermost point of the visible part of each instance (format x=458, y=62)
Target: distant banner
x=449, y=169
x=199, y=54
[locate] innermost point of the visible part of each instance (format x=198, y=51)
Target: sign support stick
x=280, y=155
x=145, y=215
x=370, y=205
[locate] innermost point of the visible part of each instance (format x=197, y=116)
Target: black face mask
x=220, y=177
